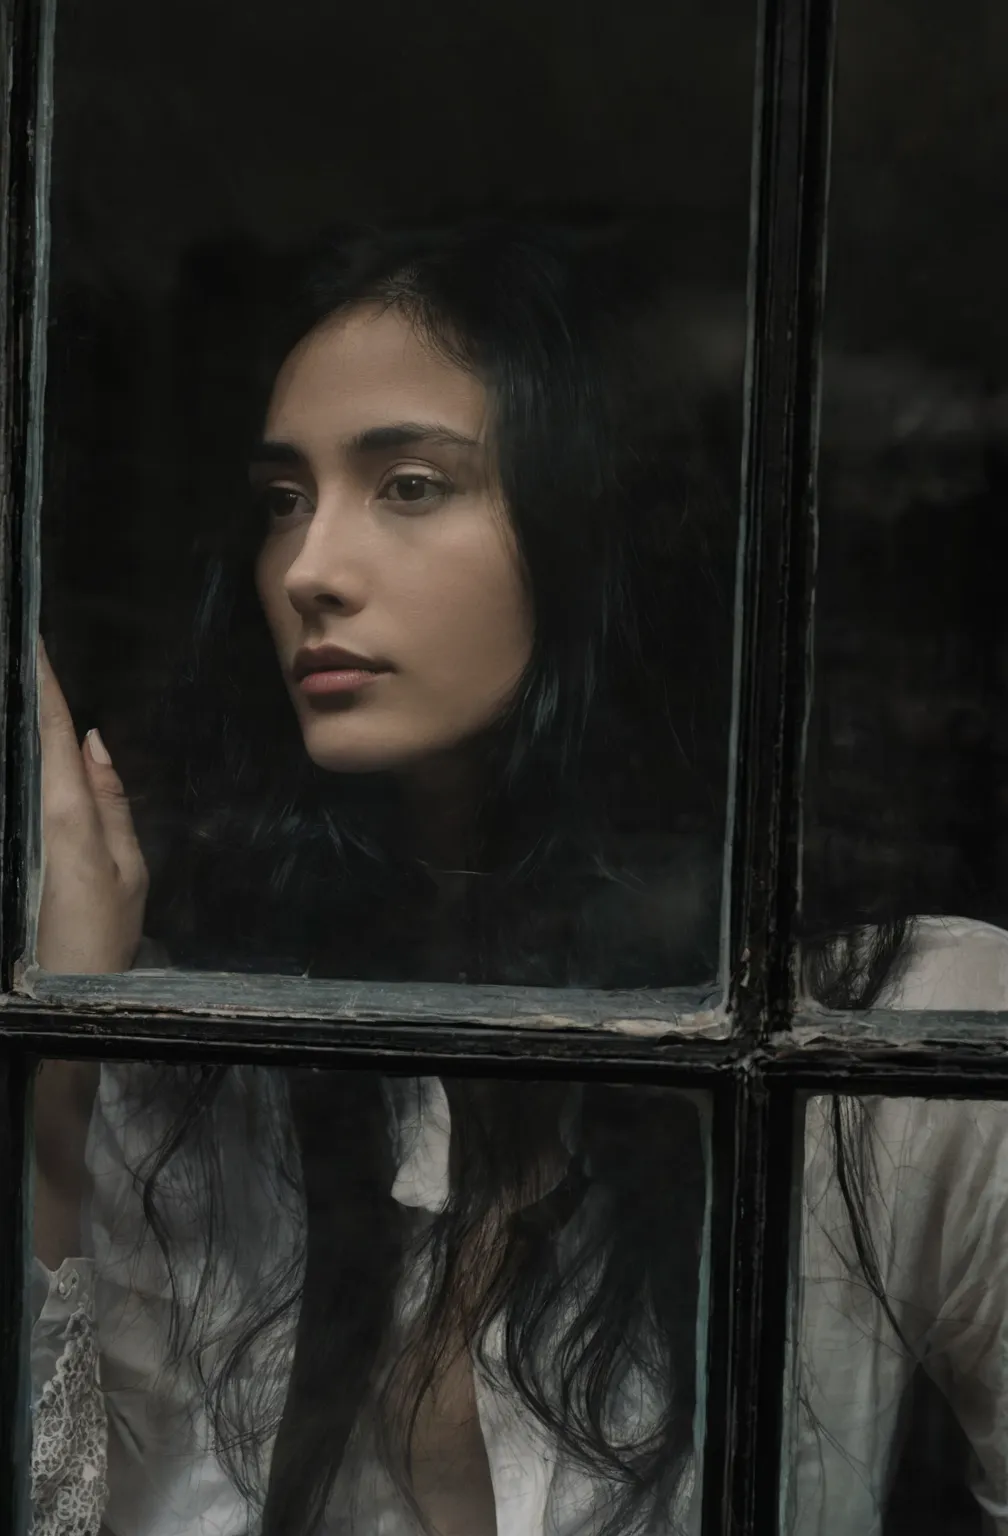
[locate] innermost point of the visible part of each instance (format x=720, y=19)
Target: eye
x=414, y=488
x=278, y=502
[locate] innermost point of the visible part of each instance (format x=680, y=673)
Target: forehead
x=365, y=368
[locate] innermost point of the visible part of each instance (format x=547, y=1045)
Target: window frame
x=777, y=1049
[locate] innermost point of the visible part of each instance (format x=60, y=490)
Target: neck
x=441, y=797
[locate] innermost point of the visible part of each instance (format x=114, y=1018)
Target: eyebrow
x=399, y=434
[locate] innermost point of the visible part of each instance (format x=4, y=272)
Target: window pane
x=905, y=805
x=494, y=460
x=354, y=1300
x=894, y=1411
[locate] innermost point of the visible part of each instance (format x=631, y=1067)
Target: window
x=476, y=1125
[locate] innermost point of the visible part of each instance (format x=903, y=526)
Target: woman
x=475, y=1309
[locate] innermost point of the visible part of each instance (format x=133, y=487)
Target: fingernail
x=97, y=748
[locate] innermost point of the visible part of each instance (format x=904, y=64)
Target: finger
x=54, y=713
x=64, y=781
x=113, y=808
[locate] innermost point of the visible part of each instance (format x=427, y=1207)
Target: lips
x=310, y=660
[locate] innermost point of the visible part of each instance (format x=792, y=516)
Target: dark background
x=191, y=137
x=906, y=805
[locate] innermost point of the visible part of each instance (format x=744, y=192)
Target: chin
x=355, y=759
x=339, y=753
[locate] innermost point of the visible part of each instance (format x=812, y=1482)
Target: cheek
x=481, y=612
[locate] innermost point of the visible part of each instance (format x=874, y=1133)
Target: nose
x=329, y=570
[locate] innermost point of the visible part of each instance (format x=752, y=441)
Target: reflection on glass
x=895, y=1416
x=301, y=1301
x=905, y=810
x=444, y=693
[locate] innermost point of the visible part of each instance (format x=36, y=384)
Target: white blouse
x=939, y=1219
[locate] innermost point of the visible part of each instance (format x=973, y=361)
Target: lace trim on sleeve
x=69, y=1459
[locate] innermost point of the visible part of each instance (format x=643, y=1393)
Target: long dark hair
x=596, y=843
x=598, y=839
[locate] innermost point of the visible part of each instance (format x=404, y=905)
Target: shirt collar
x=421, y=1121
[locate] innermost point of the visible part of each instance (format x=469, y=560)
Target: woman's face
x=389, y=573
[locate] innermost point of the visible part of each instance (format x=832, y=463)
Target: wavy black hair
x=597, y=846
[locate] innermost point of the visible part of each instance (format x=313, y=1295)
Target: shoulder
x=960, y=1145
x=943, y=1151
x=951, y=963
x=947, y=963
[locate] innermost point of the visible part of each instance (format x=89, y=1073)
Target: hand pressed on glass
x=90, y=920
x=95, y=880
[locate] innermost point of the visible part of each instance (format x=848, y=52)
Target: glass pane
x=494, y=458
x=908, y=746
x=336, y=1302
x=894, y=1417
